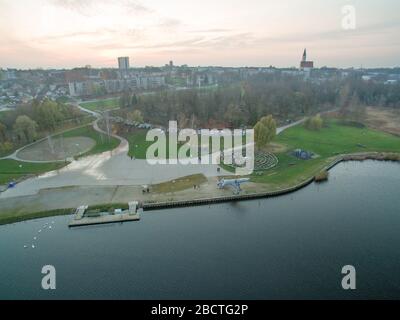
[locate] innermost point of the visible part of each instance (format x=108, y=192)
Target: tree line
x=28, y=122
x=245, y=103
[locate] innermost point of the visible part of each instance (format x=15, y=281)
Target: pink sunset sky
x=71, y=33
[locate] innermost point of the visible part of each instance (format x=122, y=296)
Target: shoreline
x=149, y=206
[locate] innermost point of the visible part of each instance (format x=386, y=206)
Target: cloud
x=210, y=30
x=86, y=7
x=168, y=23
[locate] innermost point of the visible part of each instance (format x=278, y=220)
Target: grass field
x=11, y=170
x=101, y=105
x=138, y=145
x=330, y=141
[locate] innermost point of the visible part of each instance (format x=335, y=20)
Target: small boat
x=33, y=246
x=34, y=238
x=25, y=247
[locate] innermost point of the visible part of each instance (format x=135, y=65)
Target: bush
x=392, y=157
x=315, y=123
x=322, y=176
x=6, y=147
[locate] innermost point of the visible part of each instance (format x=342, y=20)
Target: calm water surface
x=288, y=247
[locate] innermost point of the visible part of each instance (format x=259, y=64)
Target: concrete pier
x=105, y=219
x=119, y=216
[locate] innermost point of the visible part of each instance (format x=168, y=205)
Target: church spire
x=305, y=55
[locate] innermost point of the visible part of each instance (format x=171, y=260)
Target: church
x=304, y=64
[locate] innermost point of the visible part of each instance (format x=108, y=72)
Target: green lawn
x=332, y=140
x=103, y=143
x=138, y=145
x=101, y=105
x=335, y=138
x=11, y=170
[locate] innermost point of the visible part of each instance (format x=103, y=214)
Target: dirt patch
x=276, y=148
x=384, y=119
x=56, y=149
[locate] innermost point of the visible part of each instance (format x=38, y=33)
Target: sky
x=72, y=33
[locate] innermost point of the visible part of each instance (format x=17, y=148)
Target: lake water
x=288, y=247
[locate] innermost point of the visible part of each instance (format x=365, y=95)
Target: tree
x=264, y=131
x=234, y=115
x=183, y=121
x=344, y=98
x=134, y=100
x=135, y=116
x=47, y=114
x=25, y=129
x=125, y=100
x=3, y=129
x=5, y=147
x=315, y=123
x=355, y=111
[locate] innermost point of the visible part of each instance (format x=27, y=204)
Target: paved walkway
x=281, y=129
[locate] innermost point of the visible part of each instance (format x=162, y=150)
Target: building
x=123, y=63
x=306, y=65
x=151, y=82
x=83, y=88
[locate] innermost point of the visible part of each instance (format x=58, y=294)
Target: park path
x=283, y=128
x=93, y=113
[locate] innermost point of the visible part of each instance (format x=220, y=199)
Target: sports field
x=103, y=142
x=57, y=149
